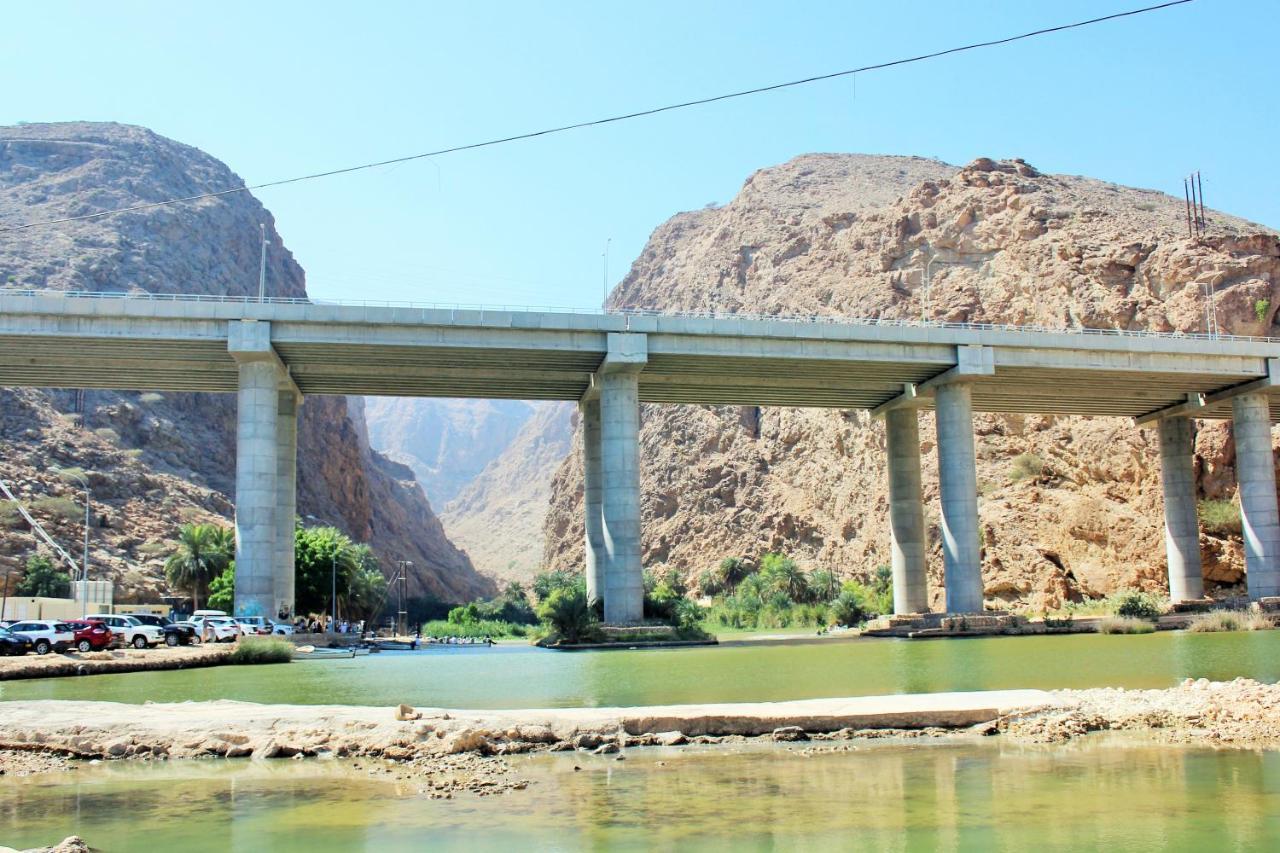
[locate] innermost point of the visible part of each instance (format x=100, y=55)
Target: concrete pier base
x=589, y=411
x=620, y=503
x=256, y=488
x=958, y=484
x=1255, y=473
x=906, y=512
x=1181, y=521
x=286, y=500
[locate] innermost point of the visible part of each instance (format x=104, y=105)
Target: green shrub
x=64, y=508
x=1260, y=308
x=43, y=578
x=1026, y=465
x=255, y=650
x=568, y=614
x=9, y=515
x=1228, y=620
x=478, y=629
x=1220, y=517
x=72, y=475
x=1133, y=604
x=108, y=435
x=1124, y=625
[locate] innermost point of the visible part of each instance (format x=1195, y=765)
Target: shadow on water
x=524, y=677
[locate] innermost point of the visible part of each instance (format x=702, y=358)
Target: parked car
x=175, y=633
x=12, y=644
x=220, y=627
x=129, y=630
x=90, y=634
x=263, y=626
x=46, y=634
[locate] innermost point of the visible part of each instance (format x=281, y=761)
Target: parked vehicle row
x=139, y=630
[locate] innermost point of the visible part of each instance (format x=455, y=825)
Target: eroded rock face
x=157, y=459
x=852, y=235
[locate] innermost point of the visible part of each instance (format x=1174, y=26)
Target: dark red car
x=90, y=635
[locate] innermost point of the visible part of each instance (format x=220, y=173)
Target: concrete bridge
x=273, y=353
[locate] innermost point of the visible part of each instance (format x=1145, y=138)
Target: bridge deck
x=62, y=340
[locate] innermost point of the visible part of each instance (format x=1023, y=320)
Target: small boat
x=315, y=653
x=394, y=645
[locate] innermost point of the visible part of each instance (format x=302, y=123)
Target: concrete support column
x=620, y=496
x=256, y=489
x=906, y=512
x=286, y=499
x=1181, y=522
x=958, y=484
x=589, y=411
x=1256, y=476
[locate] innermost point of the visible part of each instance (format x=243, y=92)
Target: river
x=519, y=676
x=1101, y=792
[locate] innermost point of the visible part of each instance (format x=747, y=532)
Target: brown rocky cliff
x=498, y=518
x=157, y=459
x=850, y=235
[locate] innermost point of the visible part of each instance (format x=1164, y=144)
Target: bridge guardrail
x=637, y=312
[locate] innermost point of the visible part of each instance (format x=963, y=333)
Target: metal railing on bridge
x=826, y=319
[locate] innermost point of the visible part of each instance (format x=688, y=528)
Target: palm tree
x=201, y=554
x=731, y=572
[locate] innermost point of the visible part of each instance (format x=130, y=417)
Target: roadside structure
x=273, y=352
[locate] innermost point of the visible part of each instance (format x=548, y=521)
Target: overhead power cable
x=609, y=120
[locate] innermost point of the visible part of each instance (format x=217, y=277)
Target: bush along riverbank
x=570, y=620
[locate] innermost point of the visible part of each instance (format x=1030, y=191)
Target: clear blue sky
x=277, y=89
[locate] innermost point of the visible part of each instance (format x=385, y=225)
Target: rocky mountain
x=446, y=442
x=498, y=517
x=862, y=236
x=156, y=459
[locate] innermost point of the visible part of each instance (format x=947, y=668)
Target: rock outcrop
x=850, y=235
x=154, y=460
x=446, y=442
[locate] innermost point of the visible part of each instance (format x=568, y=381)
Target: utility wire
x=610, y=120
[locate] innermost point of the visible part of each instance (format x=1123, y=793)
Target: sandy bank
x=117, y=660
x=1237, y=713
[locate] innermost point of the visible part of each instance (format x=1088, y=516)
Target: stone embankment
x=119, y=660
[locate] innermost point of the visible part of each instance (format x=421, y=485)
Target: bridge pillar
x=1181, y=523
x=958, y=484
x=589, y=411
x=619, y=382
x=906, y=512
x=256, y=489
x=1256, y=476
x=286, y=499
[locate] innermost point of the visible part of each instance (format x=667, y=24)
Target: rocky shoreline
x=453, y=750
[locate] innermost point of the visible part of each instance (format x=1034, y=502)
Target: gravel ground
x=118, y=660
x=1239, y=713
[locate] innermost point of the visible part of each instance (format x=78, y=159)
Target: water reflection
x=516, y=677
x=1110, y=792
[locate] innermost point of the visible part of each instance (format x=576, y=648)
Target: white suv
x=263, y=625
x=131, y=632
x=218, y=628
x=46, y=634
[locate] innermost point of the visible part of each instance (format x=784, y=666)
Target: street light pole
x=84, y=560
x=333, y=591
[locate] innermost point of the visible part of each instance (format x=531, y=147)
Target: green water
x=972, y=795
x=524, y=677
